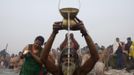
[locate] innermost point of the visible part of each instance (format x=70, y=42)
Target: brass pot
x=72, y=12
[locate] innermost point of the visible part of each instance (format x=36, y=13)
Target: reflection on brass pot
x=72, y=12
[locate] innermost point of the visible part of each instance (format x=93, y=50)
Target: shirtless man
x=74, y=64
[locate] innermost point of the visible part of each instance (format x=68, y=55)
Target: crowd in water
x=119, y=55
x=12, y=61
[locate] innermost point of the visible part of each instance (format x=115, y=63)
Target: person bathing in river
x=74, y=63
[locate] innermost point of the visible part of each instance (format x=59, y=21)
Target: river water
x=8, y=72
x=110, y=72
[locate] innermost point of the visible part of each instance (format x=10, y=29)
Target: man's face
x=68, y=64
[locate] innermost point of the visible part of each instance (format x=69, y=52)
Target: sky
x=22, y=20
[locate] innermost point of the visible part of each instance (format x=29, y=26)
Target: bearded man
x=71, y=65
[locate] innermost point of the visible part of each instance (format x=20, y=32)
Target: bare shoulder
x=25, y=49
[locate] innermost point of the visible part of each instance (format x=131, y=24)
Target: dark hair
x=40, y=38
x=129, y=38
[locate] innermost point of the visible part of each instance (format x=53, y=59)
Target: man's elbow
x=96, y=58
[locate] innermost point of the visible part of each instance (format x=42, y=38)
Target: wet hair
x=40, y=38
x=129, y=38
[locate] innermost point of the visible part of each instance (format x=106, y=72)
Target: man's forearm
x=91, y=46
x=47, y=48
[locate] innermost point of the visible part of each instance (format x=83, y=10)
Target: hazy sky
x=22, y=20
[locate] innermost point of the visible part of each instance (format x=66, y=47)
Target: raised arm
x=50, y=66
x=89, y=64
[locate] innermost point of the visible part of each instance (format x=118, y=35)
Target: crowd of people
x=36, y=60
x=109, y=57
x=119, y=56
x=12, y=61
